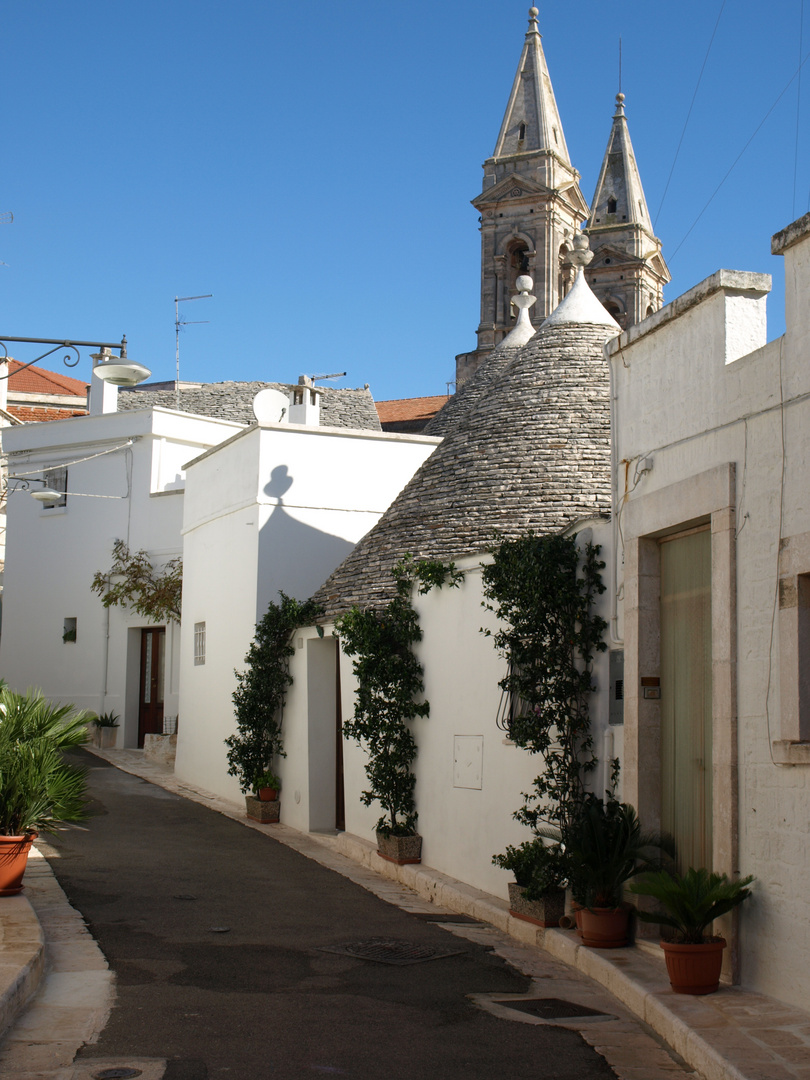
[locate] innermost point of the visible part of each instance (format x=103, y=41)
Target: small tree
x=155, y=594
x=261, y=690
x=389, y=681
x=543, y=590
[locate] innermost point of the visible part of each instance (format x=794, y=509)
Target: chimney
x=305, y=404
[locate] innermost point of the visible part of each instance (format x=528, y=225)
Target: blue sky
x=312, y=166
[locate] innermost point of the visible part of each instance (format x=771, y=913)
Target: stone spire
x=531, y=121
x=531, y=206
x=628, y=272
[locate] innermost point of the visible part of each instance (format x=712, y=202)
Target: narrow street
x=221, y=941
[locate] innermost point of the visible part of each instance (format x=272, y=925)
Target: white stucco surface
x=129, y=493
x=275, y=508
x=693, y=397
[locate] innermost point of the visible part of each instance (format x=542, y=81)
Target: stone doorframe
x=709, y=497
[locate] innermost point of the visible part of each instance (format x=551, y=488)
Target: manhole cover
x=116, y=1074
x=390, y=951
x=551, y=1008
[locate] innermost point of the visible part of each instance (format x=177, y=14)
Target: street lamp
x=116, y=370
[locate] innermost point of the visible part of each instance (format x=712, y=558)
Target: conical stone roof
x=532, y=454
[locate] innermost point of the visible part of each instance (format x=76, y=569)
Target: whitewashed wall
x=697, y=389
x=278, y=507
x=53, y=554
x=469, y=776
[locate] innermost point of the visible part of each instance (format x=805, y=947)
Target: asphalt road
x=217, y=933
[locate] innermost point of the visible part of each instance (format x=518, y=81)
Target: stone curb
x=22, y=958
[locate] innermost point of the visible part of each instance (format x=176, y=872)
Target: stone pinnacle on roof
x=532, y=121
x=523, y=329
x=580, y=305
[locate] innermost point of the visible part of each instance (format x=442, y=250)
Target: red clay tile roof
x=34, y=380
x=404, y=409
x=35, y=414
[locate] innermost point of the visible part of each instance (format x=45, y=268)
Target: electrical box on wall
x=468, y=758
x=616, y=709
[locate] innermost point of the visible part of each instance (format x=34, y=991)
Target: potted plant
x=105, y=730
x=263, y=803
x=266, y=787
x=536, y=895
x=691, y=902
x=38, y=788
x=605, y=847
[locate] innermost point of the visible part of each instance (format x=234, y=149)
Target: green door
x=686, y=695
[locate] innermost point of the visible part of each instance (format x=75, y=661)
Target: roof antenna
x=178, y=322
x=620, y=65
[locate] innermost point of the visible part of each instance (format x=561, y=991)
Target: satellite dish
x=271, y=406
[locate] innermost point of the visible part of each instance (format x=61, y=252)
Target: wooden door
x=150, y=697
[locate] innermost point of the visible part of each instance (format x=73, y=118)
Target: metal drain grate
x=551, y=1008
x=432, y=917
x=390, y=951
x=122, y=1073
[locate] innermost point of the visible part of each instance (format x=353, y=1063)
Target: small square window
x=56, y=479
x=199, y=643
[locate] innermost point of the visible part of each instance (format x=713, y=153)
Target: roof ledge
x=795, y=232
x=730, y=282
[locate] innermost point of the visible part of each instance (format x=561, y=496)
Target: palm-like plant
x=38, y=788
x=692, y=901
x=605, y=846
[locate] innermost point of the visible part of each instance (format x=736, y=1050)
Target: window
x=522, y=134
x=199, y=643
x=611, y=207
x=69, y=627
x=57, y=480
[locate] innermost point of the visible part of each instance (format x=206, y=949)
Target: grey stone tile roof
x=469, y=393
x=234, y=401
x=532, y=453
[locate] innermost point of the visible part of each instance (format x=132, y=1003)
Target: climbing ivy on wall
x=389, y=683
x=261, y=689
x=542, y=588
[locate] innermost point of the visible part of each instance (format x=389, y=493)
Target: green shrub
x=38, y=787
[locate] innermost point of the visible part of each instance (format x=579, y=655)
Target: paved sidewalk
x=73, y=992
x=732, y=1035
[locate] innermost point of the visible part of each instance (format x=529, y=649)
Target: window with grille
x=199, y=643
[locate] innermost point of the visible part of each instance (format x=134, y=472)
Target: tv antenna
x=178, y=322
x=337, y=375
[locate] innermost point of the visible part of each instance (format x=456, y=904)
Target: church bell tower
x=530, y=206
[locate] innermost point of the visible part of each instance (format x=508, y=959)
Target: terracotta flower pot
x=399, y=849
x=268, y=794
x=604, y=928
x=547, y=911
x=13, y=860
x=694, y=969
